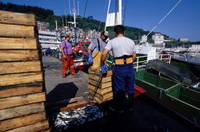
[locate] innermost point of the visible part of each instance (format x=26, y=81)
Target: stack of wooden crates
x=100, y=90
x=22, y=95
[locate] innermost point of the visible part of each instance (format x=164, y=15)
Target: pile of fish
x=69, y=119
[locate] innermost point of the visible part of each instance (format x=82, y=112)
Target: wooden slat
x=16, y=31
x=65, y=101
x=100, y=91
x=22, y=121
x=17, y=18
x=19, y=67
x=75, y=106
x=21, y=100
x=67, y=105
x=101, y=97
x=104, y=79
x=22, y=78
x=21, y=111
x=102, y=85
x=101, y=101
x=20, y=90
x=18, y=43
x=97, y=72
x=18, y=55
x=40, y=126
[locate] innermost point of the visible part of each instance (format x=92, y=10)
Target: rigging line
x=104, y=13
x=164, y=17
x=85, y=8
x=74, y=4
x=70, y=11
x=69, y=7
x=124, y=15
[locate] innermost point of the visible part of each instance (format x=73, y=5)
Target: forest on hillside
x=85, y=23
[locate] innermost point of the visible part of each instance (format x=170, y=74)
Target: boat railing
x=165, y=58
x=141, y=62
x=180, y=56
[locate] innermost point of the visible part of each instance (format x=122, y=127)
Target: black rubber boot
x=131, y=103
x=118, y=103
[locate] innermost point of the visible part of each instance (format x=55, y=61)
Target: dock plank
x=20, y=90
x=21, y=100
x=18, y=55
x=19, y=67
x=102, y=97
x=97, y=72
x=102, y=85
x=17, y=31
x=18, y=43
x=21, y=78
x=40, y=126
x=8, y=17
x=96, y=78
x=21, y=111
x=22, y=121
x=100, y=91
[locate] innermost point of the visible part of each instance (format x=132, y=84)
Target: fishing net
x=179, y=74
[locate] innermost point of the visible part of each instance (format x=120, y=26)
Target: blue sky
x=183, y=22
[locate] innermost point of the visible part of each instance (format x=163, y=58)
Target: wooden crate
x=104, y=91
x=22, y=96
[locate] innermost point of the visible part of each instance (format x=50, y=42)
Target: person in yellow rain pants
x=95, y=49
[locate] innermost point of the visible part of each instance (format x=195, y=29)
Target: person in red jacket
x=67, y=57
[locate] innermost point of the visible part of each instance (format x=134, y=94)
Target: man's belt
x=123, y=60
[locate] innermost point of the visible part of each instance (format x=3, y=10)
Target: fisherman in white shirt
x=124, y=54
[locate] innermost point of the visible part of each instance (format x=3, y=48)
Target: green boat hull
x=182, y=100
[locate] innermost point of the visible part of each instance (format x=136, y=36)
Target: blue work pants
x=123, y=78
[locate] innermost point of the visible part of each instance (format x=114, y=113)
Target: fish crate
x=22, y=93
x=100, y=87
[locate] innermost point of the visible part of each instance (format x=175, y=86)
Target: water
x=193, y=57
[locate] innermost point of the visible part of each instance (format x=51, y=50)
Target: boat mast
x=118, y=13
x=74, y=12
x=107, y=13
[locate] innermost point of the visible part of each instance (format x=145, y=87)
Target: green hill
x=47, y=15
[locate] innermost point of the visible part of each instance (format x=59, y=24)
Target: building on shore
x=47, y=38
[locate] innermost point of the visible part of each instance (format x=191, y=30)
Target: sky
x=183, y=22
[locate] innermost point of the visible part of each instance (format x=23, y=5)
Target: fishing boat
x=178, y=97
